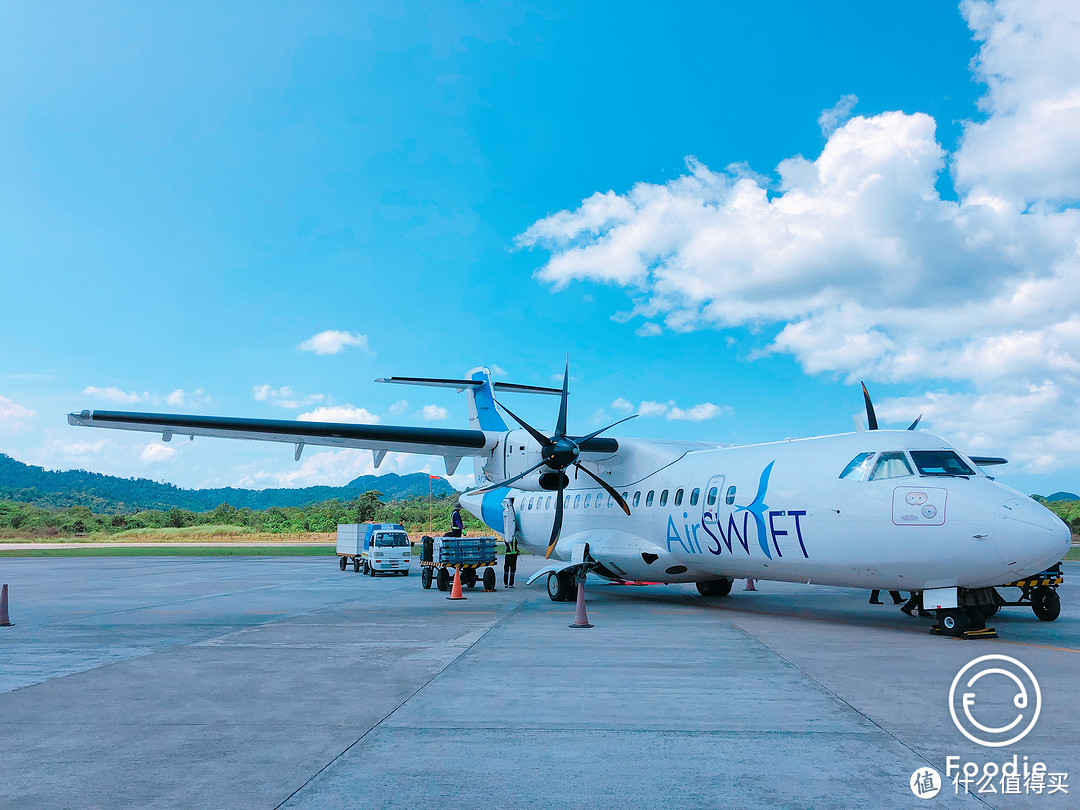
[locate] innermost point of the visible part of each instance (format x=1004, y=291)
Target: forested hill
x=109, y=494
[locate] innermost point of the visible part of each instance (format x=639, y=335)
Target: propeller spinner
x=558, y=453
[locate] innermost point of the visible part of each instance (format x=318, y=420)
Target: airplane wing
x=451, y=444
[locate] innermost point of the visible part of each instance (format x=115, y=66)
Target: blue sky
x=725, y=214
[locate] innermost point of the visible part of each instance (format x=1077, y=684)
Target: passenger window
x=547, y=504
x=710, y=499
x=663, y=498
x=637, y=498
x=856, y=468
x=694, y=496
x=648, y=498
x=678, y=497
x=566, y=503
x=730, y=497
x=891, y=465
x=577, y=501
x=599, y=500
x=586, y=504
x=530, y=503
x=610, y=502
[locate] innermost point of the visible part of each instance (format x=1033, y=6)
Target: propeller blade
x=915, y=424
x=490, y=487
x=536, y=434
x=618, y=498
x=560, y=426
x=557, y=526
x=871, y=417
x=609, y=427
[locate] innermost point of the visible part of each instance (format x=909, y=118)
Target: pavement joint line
x=415, y=692
x=236, y=630
x=837, y=697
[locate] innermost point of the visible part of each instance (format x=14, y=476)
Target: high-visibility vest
x=511, y=545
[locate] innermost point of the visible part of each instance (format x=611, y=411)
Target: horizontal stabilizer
x=461, y=385
x=428, y=441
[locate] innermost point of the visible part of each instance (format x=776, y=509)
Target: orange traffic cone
x=455, y=590
x=749, y=585
x=581, y=619
x=4, y=621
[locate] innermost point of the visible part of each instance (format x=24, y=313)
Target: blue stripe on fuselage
x=491, y=510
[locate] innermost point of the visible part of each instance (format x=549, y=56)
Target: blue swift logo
x=758, y=507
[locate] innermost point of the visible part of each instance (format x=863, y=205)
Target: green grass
x=176, y=551
x=1074, y=554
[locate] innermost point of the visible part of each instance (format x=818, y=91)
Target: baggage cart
x=441, y=555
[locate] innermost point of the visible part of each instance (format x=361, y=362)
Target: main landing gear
x=715, y=587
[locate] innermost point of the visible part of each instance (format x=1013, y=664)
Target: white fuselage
x=781, y=511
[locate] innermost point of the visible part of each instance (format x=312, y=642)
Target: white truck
x=374, y=548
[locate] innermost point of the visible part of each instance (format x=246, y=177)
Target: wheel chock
x=986, y=632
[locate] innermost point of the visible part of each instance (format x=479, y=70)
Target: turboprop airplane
x=885, y=509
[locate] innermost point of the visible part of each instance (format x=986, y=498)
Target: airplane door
x=711, y=498
x=510, y=525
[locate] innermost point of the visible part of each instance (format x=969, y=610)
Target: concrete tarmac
x=266, y=682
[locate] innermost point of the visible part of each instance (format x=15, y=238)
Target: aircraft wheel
x=356, y=565
x=559, y=587
x=469, y=578
x=489, y=579
x=988, y=611
x=716, y=587
x=1046, y=604
x=443, y=580
x=342, y=562
x=425, y=577
x=954, y=622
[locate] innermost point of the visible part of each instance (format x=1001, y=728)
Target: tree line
x=30, y=520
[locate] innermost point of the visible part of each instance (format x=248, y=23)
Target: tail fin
x=483, y=415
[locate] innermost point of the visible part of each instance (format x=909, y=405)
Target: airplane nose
x=1029, y=537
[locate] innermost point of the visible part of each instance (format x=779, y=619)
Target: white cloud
x=1029, y=60
x=182, y=399
x=623, y=405
x=648, y=329
x=855, y=262
x=84, y=448
x=649, y=408
x=114, y=394
x=285, y=397
x=435, y=413
x=340, y=413
x=399, y=407
x=155, y=453
x=830, y=119
x=14, y=418
x=333, y=341
x=698, y=413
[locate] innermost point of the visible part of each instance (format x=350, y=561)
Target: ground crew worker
x=457, y=526
x=510, y=542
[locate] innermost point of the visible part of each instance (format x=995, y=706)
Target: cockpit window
x=940, y=462
x=891, y=465
x=856, y=468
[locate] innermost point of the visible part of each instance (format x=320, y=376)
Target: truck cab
x=375, y=548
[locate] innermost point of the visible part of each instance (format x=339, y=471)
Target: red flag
x=434, y=476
